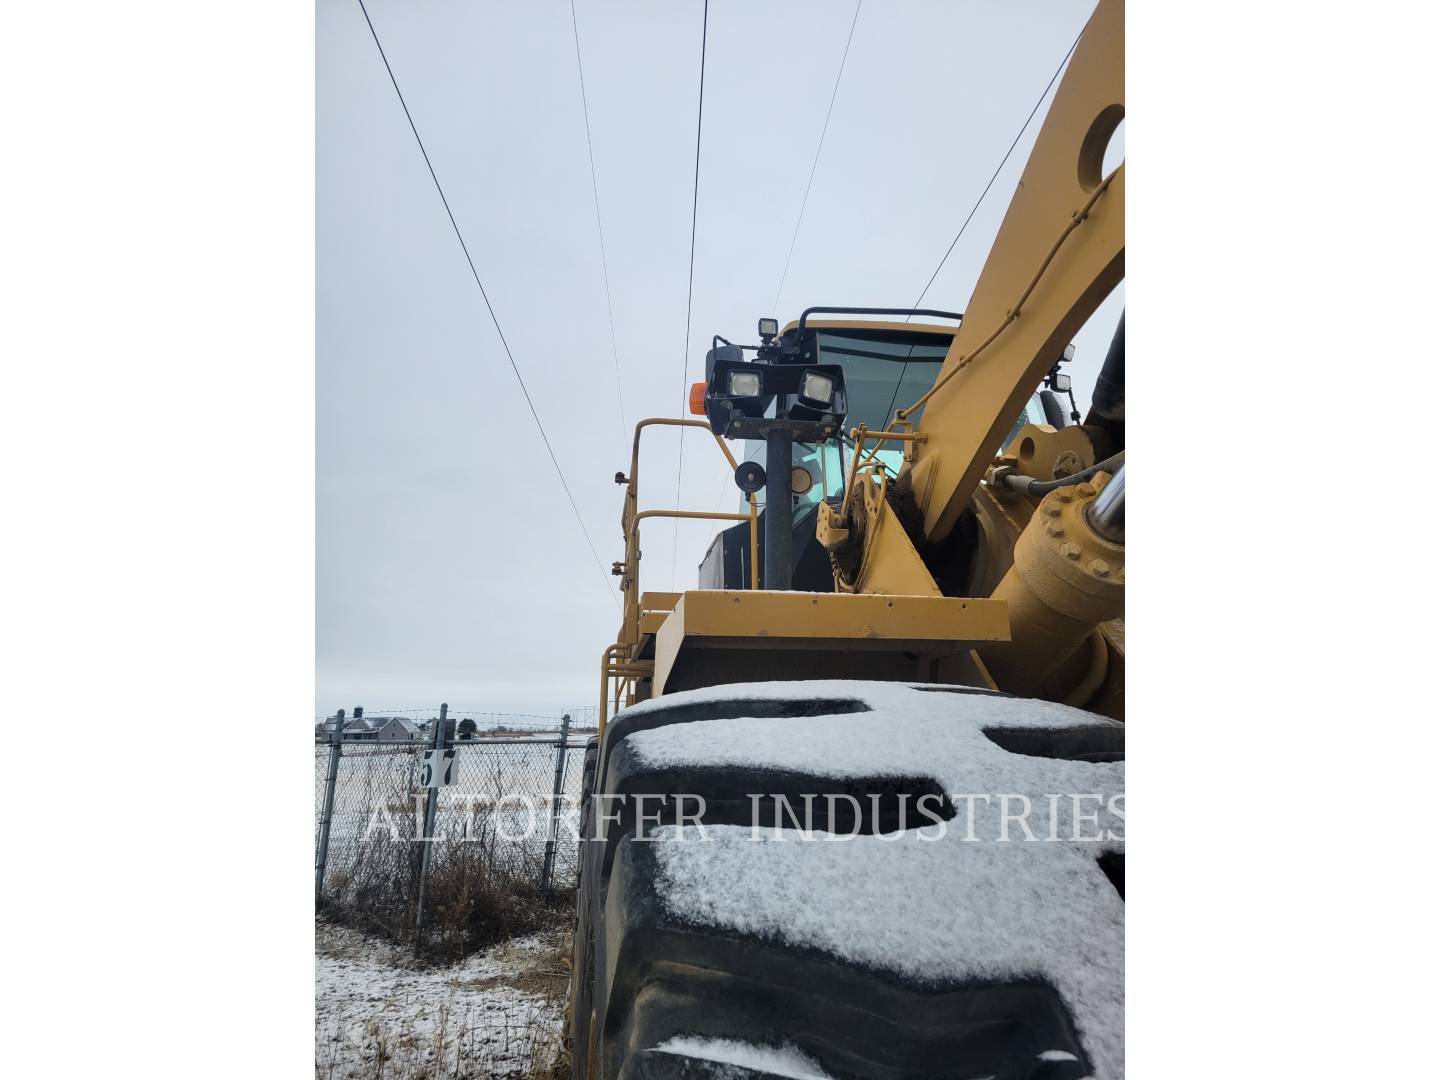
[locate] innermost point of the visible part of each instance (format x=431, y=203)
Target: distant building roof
x=410, y=727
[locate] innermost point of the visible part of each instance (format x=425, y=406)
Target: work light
x=768, y=329
x=817, y=389
x=744, y=384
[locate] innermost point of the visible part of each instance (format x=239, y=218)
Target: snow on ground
x=960, y=906
x=378, y=1013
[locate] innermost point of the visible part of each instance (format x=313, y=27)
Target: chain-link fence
x=451, y=836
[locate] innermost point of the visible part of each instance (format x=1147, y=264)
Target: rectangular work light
x=817, y=389
x=744, y=384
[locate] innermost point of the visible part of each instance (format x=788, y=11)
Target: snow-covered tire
x=887, y=956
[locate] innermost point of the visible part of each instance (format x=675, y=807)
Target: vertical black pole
x=425, y=841
x=778, y=510
x=548, y=869
x=322, y=849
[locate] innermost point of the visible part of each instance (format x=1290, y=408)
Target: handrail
x=907, y=312
x=611, y=667
x=892, y=436
x=710, y=515
x=630, y=579
x=615, y=662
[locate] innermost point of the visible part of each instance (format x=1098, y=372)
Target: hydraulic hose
x=1029, y=485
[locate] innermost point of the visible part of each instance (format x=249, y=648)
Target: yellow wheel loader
x=812, y=831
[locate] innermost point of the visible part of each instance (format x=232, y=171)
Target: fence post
x=549, y=867
x=430, y=799
x=322, y=849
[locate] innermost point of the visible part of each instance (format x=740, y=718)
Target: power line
x=968, y=217
x=919, y=299
x=476, y=274
x=1043, y=94
x=690, y=291
x=604, y=265
x=775, y=307
x=804, y=201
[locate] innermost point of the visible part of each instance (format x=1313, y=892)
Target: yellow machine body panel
x=812, y=635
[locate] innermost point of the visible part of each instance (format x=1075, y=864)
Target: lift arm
x=1059, y=252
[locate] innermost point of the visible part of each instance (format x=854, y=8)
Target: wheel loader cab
x=886, y=365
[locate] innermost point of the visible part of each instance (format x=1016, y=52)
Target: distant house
x=376, y=729
x=363, y=728
x=326, y=728
x=394, y=728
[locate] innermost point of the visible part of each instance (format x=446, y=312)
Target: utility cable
x=775, y=307
x=1016, y=142
x=690, y=290
x=604, y=265
x=476, y=274
x=991, y=183
x=824, y=128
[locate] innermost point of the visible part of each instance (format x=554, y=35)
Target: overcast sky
x=449, y=565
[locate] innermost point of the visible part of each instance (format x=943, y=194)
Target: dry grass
x=478, y=892
x=382, y=1014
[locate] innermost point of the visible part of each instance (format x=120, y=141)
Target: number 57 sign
x=439, y=769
